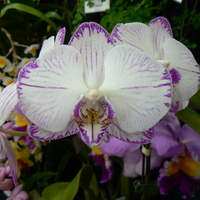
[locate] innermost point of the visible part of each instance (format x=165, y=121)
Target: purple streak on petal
x=176, y=76
x=38, y=133
x=60, y=37
x=90, y=26
x=164, y=22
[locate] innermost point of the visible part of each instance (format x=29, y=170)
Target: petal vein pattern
x=49, y=88
x=138, y=88
x=93, y=42
x=8, y=101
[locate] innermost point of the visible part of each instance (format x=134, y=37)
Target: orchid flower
x=94, y=88
x=156, y=40
x=183, y=170
x=18, y=194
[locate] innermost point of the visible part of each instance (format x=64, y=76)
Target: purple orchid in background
x=183, y=171
x=6, y=181
x=156, y=40
x=18, y=194
x=6, y=151
x=80, y=88
x=163, y=143
x=103, y=161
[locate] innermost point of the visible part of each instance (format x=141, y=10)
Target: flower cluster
x=117, y=90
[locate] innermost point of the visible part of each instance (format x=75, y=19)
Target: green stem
x=14, y=133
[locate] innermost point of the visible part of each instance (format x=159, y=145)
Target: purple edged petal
x=50, y=43
x=93, y=42
x=38, y=133
x=8, y=101
x=178, y=105
x=160, y=24
x=60, y=37
x=183, y=69
x=161, y=31
x=93, y=126
x=137, y=137
x=135, y=34
x=49, y=88
x=138, y=87
x=10, y=154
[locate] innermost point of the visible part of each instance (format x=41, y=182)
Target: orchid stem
x=146, y=166
x=14, y=133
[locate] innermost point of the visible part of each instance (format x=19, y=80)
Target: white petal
x=46, y=45
x=49, y=88
x=8, y=101
x=60, y=37
x=93, y=42
x=135, y=34
x=41, y=134
x=182, y=60
x=161, y=30
x=138, y=87
x=137, y=137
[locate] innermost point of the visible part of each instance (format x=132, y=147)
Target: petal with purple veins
x=138, y=87
x=49, y=88
x=8, y=101
x=93, y=41
x=40, y=134
x=135, y=34
x=188, y=73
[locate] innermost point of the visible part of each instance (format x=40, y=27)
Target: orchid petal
x=161, y=30
x=49, y=88
x=138, y=88
x=46, y=45
x=178, y=105
x=8, y=101
x=190, y=139
x=10, y=154
x=93, y=127
x=137, y=137
x=93, y=41
x=117, y=147
x=135, y=34
x=182, y=60
x=38, y=133
x=60, y=37
x=160, y=25
x=130, y=160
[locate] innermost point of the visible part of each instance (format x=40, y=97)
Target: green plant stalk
x=14, y=133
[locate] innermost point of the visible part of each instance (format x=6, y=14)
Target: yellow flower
x=2, y=61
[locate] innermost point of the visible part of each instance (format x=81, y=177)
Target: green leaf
x=40, y=176
x=195, y=100
x=190, y=117
x=53, y=14
x=67, y=191
x=29, y=10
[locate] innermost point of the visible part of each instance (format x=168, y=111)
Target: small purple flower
x=18, y=194
x=80, y=88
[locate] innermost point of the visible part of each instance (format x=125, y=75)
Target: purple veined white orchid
x=9, y=97
x=156, y=40
x=94, y=88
